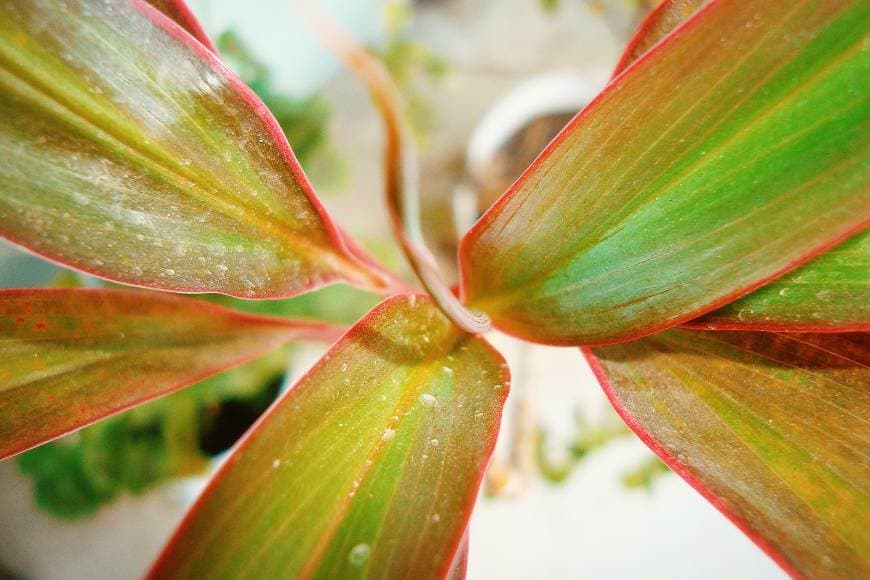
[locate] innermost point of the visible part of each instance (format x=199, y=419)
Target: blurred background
x=571, y=492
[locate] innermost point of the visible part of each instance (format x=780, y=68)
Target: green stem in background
x=401, y=175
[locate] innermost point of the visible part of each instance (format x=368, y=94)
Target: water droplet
x=783, y=292
x=448, y=370
x=428, y=400
x=359, y=554
x=388, y=434
x=434, y=443
x=276, y=463
x=169, y=272
x=436, y=518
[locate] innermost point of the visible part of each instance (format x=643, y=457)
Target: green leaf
x=69, y=357
x=131, y=152
x=771, y=428
x=729, y=154
x=829, y=293
x=366, y=468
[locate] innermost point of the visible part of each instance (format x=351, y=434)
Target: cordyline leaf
x=727, y=155
x=368, y=467
x=132, y=153
x=179, y=13
x=660, y=22
x=831, y=293
x=828, y=293
x=69, y=357
x=771, y=428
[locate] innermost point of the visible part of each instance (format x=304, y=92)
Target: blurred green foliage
x=131, y=452
x=587, y=439
x=645, y=474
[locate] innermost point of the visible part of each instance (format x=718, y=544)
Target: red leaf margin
x=454, y=567
x=370, y=275
x=651, y=25
x=648, y=25
x=181, y=14
x=674, y=464
x=297, y=329
x=474, y=233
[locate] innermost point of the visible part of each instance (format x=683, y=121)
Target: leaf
x=178, y=12
x=173, y=436
x=69, y=357
x=132, y=153
x=368, y=467
x=831, y=293
x=771, y=428
x=731, y=153
x=662, y=21
x=828, y=293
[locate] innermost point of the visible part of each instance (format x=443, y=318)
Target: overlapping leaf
x=69, y=357
x=662, y=21
x=733, y=151
x=829, y=293
x=131, y=152
x=367, y=468
x=771, y=428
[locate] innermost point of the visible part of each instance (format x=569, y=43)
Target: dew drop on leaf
x=428, y=400
x=359, y=554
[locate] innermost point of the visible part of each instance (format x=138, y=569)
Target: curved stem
x=401, y=175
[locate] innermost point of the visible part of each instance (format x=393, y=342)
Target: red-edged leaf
x=771, y=428
x=730, y=153
x=179, y=13
x=660, y=22
x=132, y=153
x=366, y=468
x=69, y=357
x=830, y=293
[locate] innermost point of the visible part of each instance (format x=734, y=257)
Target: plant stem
x=401, y=174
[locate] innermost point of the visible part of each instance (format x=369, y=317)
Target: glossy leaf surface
x=732, y=152
x=771, y=428
x=829, y=293
x=368, y=467
x=69, y=357
x=131, y=152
